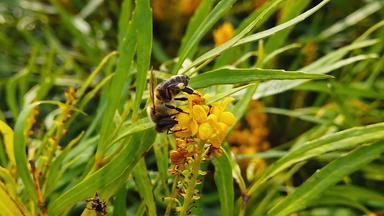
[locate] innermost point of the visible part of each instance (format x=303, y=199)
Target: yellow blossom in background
x=187, y=7
x=170, y=9
x=223, y=33
x=251, y=139
x=258, y=3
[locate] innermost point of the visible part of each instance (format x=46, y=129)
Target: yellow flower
x=186, y=126
x=199, y=113
x=187, y=7
x=205, y=131
x=223, y=33
x=207, y=123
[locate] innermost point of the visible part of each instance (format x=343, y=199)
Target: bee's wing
x=152, y=86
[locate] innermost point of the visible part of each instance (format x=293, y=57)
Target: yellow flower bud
x=205, y=131
x=212, y=118
x=228, y=118
x=223, y=128
x=216, y=141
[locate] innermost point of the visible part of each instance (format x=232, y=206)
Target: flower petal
x=205, y=131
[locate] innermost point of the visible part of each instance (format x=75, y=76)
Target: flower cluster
x=208, y=123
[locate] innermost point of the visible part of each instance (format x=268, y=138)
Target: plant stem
x=40, y=201
x=192, y=181
x=173, y=196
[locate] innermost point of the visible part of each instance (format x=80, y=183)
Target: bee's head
x=184, y=82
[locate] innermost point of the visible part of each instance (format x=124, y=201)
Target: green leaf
x=94, y=73
x=198, y=17
x=20, y=153
x=299, y=114
x=333, y=199
x=361, y=194
x=9, y=182
x=341, y=140
x=271, y=31
x=224, y=184
x=127, y=130
x=291, y=9
x=7, y=134
x=351, y=19
x=69, y=22
x=55, y=170
x=341, y=89
x=242, y=105
x=278, y=86
x=326, y=177
x=277, y=52
x=202, y=29
x=144, y=37
x=8, y=205
x=144, y=186
x=236, y=75
x=160, y=148
x=124, y=18
x=114, y=95
x=230, y=43
x=228, y=93
x=119, y=203
x=110, y=178
x=20, y=147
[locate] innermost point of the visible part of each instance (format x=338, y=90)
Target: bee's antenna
x=152, y=84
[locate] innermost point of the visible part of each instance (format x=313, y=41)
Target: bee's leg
x=173, y=116
x=175, y=131
x=175, y=108
x=181, y=99
x=188, y=90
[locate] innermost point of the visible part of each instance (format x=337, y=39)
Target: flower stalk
x=192, y=182
x=200, y=131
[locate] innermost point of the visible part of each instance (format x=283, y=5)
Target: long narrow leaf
x=203, y=28
x=110, y=178
x=230, y=43
x=342, y=140
x=127, y=51
x=224, y=184
x=8, y=205
x=20, y=153
x=326, y=177
x=283, y=26
x=144, y=186
x=236, y=75
x=144, y=47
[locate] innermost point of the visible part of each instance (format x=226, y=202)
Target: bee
x=98, y=205
x=161, y=111
x=168, y=89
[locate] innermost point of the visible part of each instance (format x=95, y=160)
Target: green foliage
x=73, y=114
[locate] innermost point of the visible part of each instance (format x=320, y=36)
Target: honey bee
x=161, y=111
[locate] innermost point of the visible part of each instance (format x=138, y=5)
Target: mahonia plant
x=199, y=133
